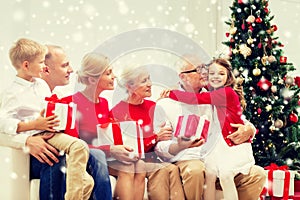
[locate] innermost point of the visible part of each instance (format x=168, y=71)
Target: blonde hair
x=130, y=74
x=92, y=65
x=25, y=50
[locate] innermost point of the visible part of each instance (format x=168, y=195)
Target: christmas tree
x=272, y=95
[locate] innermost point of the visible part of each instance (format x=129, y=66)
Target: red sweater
x=124, y=111
x=89, y=114
x=226, y=101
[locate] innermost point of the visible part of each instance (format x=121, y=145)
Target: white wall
x=81, y=26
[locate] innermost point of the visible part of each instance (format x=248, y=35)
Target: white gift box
x=127, y=133
x=278, y=183
x=66, y=114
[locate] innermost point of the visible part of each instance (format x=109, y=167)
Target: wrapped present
x=280, y=182
x=192, y=126
x=127, y=133
x=65, y=110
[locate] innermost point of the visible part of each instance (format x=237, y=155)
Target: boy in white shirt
x=20, y=113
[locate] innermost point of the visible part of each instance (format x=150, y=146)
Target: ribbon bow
x=55, y=99
x=273, y=167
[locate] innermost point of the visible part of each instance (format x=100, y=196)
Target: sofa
x=14, y=173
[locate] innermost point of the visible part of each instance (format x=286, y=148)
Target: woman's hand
x=165, y=132
x=123, y=154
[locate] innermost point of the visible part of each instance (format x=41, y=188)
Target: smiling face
x=217, y=75
x=106, y=80
x=36, y=67
x=141, y=87
x=193, y=77
x=58, y=68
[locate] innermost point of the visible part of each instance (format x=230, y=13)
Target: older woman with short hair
x=163, y=178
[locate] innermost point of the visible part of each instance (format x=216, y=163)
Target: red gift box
x=280, y=182
x=127, y=133
x=65, y=110
x=192, y=126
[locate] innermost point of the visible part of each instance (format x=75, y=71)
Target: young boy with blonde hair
x=20, y=112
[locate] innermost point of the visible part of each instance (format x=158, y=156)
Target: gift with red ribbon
x=280, y=182
x=192, y=126
x=65, y=110
x=127, y=133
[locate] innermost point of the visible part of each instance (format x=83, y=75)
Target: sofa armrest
x=14, y=173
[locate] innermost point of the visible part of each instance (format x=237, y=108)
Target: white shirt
x=168, y=110
x=22, y=101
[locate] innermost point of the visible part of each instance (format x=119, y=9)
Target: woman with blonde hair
x=97, y=76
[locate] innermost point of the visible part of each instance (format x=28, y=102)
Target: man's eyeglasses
x=198, y=69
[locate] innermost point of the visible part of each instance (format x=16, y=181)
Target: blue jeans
x=97, y=168
x=52, y=179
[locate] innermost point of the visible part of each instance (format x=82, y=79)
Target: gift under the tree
x=192, y=126
x=64, y=109
x=280, y=182
x=127, y=133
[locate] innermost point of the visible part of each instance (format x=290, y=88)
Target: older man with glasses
x=188, y=155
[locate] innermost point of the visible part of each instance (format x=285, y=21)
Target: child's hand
x=46, y=123
x=165, y=93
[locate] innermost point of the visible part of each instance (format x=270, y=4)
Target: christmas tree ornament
x=258, y=20
x=274, y=89
x=269, y=31
x=282, y=59
x=289, y=80
x=249, y=40
x=268, y=108
x=264, y=60
x=243, y=25
x=259, y=111
x=287, y=94
x=235, y=51
x=264, y=84
x=272, y=59
x=232, y=30
x=297, y=81
x=293, y=118
x=245, y=50
x=250, y=28
x=259, y=45
x=266, y=10
x=250, y=19
x=256, y=71
x=278, y=123
x=274, y=27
